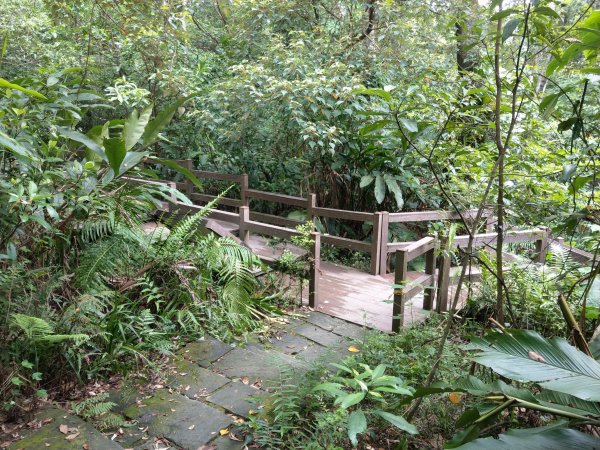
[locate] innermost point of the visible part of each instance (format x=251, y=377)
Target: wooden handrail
x=277, y=198
x=237, y=178
x=343, y=214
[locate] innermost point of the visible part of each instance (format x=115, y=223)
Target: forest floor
x=206, y=389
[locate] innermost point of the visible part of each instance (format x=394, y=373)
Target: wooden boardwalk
x=345, y=292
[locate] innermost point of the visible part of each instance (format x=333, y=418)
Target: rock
x=187, y=423
x=76, y=434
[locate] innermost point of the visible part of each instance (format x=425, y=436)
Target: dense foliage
x=375, y=106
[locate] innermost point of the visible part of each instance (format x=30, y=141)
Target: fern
x=38, y=330
x=99, y=410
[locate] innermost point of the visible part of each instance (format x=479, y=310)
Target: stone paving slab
x=205, y=352
x=324, y=321
x=187, y=423
x=223, y=443
x=50, y=437
x=290, y=344
x=194, y=382
x=257, y=365
x=318, y=335
x=234, y=397
x=351, y=331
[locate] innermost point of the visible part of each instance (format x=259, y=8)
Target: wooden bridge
x=379, y=299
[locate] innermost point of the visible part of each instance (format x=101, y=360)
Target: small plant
x=98, y=410
x=367, y=389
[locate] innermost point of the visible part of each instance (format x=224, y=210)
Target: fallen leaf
x=353, y=349
x=245, y=380
x=86, y=446
x=454, y=397
x=64, y=429
x=191, y=427
x=72, y=436
x=536, y=357
x=223, y=431
x=208, y=447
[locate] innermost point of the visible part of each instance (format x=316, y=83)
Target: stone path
x=211, y=386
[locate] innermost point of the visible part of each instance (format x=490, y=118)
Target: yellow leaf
x=353, y=349
x=223, y=431
x=454, y=397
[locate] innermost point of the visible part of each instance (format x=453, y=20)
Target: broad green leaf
x=177, y=168
x=551, y=437
x=115, y=153
x=350, y=400
x=156, y=125
x=334, y=389
x=509, y=28
x=366, y=180
x=135, y=125
x=546, y=11
x=379, y=189
x=7, y=84
x=555, y=364
x=502, y=14
x=397, y=421
x=548, y=104
x=410, y=125
x=373, y=127
x=82, y=139
x=392, y=185
x=131, y=160
x=382, y=93
x=17, y=149
x=357, y=423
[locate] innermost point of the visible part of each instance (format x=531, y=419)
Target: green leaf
x=551, y=437
x=36, y=376
x=135, y=125
x=177, y=168
x=366, y=180
x=131, y=160
x=357, y=423
x=41, y=393
x=382, y=93
x=509, y=28
x=82, y=139
x=548, y=103
x=155, y=126
x=546, y=11
x=26, y=364
x=16, y=381
x=17, y=149
x=567, y=124
x=392, y=184
x=410, y=125
x=502, y=14
x=555, y=364
x=350, y=400
x=379, y=189
x=334, y=389
x=115, y=153
x=7, y=84
x=373, y=127
x=397, y=421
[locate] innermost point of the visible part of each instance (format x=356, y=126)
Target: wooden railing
x=407, y=285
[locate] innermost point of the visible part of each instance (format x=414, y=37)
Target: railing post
x=244, y=232
x=311, y=203
x=173, y=202
x=429, y=294
x=541, y=247
x=315, y=270
x=376, y=244
x=189, y=186
x=400, y=279
x=443, y=284
x=243, y=188
x=385, y=225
